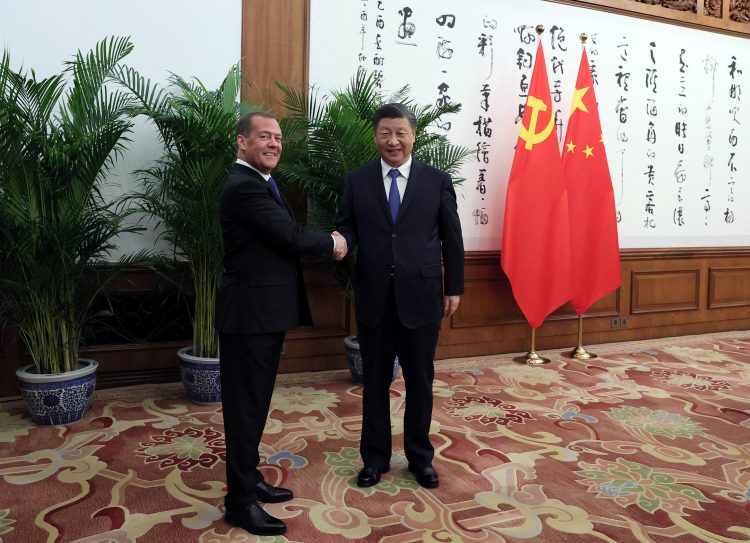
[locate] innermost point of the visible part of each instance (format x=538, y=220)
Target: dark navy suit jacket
x=427, y=228
x=262, y=289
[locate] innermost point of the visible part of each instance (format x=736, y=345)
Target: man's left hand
x=450, y=304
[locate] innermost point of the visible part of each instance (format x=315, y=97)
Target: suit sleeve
x=452, y=240
x=346, y=223
x=252, y=206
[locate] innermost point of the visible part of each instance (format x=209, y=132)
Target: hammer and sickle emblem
x=530, y=135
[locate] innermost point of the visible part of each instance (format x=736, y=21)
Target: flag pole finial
x=539, y=29
x=583, y=37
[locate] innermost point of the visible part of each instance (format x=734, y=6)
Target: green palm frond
x=196, y=126
x=59, y=138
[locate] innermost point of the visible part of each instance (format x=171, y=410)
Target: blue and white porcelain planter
x=354, y=358
x=58, y=398
x=200, y=376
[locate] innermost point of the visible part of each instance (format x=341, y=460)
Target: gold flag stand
x=532, y=358
x=580, y=353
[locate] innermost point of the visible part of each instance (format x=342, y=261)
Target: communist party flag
x=536, y=241
x=593, y=225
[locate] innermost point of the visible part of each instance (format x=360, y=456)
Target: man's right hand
x=340, y=250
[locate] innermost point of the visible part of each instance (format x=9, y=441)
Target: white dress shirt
x=403, y=177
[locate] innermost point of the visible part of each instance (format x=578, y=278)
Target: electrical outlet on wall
x=615, y=322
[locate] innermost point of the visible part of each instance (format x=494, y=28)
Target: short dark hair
x=245, y=124
x=394, y=111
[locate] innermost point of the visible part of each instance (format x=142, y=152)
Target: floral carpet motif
x=649, y=443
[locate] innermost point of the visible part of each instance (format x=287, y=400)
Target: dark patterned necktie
x=394, y=198
x=274, y=187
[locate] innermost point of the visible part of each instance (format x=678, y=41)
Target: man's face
x=261, y=147
x=394, y=139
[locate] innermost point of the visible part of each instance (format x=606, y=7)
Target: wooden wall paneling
x=275, y=43
x=132, y=364
x=655, y=283
x=487, y=322
x=485, y=301
x=728, y=287
x=320, y=346
x=10, y=361
x=656, y=291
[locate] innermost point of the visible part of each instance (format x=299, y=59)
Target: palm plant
x=197, y=128
x=59, y=138
x=324, y=139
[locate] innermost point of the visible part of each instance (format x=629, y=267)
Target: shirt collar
x=264, y=175
x=404, y=169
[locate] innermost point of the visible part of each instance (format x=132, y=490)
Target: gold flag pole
x=532, y=358
x=580, y=353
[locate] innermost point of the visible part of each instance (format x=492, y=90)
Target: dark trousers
x=248, y=363
x=415, y=349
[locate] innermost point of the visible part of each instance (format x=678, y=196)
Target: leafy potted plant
x=59, y=137
x=197, y=128
x=325, y=138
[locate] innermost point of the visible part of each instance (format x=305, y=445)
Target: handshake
x=340, y=249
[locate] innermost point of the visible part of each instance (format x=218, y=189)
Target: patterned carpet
x=648, y=443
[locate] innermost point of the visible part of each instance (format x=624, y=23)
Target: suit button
x=394, y=236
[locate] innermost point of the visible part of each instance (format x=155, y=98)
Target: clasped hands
x=340, y=250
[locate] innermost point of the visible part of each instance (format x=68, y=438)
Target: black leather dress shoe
x=426, y=477
x=272, y=494
x=255, y=520
x=370, y=476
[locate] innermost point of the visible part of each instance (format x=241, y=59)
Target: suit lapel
x=375, y=174
x=259, y=178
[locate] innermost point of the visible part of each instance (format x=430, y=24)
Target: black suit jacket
x=262, y=289
x=427, y=227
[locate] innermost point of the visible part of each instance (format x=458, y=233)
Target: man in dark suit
x=403, y=215
x=262, y=294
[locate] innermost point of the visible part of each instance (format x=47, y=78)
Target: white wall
x=192, y=38
x=442, y=48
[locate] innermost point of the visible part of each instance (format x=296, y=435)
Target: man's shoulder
x=366, y=170
x=242, y=177
x=426, y=169
x=242, y=172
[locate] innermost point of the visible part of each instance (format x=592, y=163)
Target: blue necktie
x=274, y=187
x=394, y=198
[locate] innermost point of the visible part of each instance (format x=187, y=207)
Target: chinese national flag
x=536, y=242
x=593, y=226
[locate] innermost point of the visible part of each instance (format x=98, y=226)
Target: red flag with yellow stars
x=595, y=250
x=536, y=243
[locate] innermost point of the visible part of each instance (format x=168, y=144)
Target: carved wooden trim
x=723, y=24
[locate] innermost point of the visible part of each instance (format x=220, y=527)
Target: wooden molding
x=665, y=290
x=659, y=13
x=728, y=287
